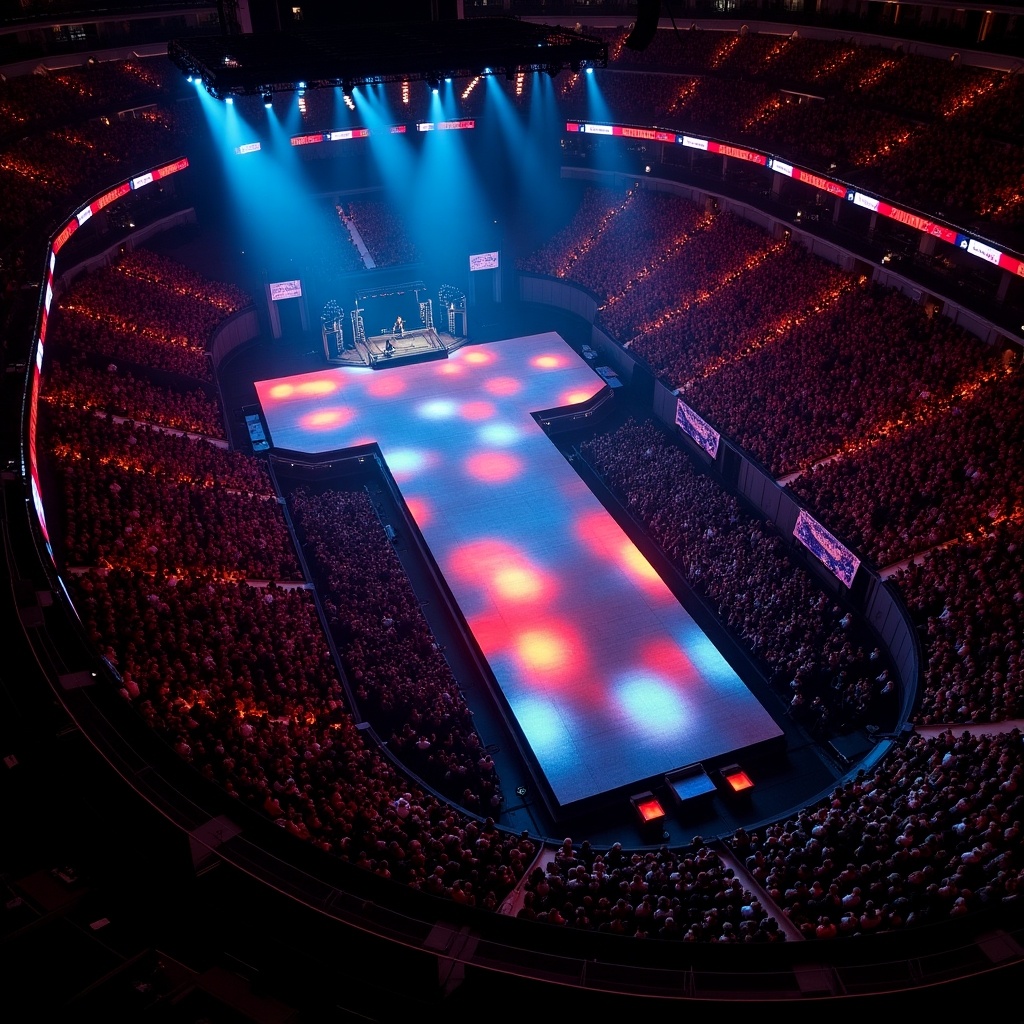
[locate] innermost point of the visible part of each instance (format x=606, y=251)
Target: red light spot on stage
x=318, y=386
x=578, y=395
x=493, y=467
x=668, y=660
x=481, y=559
x=491, y=633
x=477, y=410
x=282, y=391
x=419, y=510
x=503, y=568
x=547, y=362
x=327, y=419
x=384, y=385
x=519, y=583
x=503, y=386
x=601, y=534
x=479, y=358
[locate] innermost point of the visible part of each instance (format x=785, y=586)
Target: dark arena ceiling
x=355, y=55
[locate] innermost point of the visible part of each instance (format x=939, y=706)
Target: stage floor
x=610, y=679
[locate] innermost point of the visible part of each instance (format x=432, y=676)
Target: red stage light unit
x=650, y=810
x=737, y=780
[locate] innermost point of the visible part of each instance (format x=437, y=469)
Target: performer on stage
x=389, y=347
x=399, y=328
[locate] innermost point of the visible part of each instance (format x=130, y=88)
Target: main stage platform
x=610, y=680
x=418, y=346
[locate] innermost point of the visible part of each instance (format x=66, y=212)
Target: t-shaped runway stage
x=610, y=679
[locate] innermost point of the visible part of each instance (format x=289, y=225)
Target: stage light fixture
x=434, y=82
x=268, y=100
x=648, y=12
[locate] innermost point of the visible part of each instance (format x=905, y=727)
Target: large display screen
x=839, y=560
x=483, y=261
x=285, y=290
x=701, y=431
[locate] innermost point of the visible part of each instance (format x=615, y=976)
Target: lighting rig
x=265, y=64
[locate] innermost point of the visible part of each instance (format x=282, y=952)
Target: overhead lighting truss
x=329, y=58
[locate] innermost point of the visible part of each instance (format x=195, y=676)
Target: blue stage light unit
x=268, y=100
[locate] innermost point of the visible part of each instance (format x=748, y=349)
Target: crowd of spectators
x=618, y=241
x=400, y=678
x=120, y=515
x=688, y=895
x=967, y=601
x=135, y=396
x=701, y=291
x=949, y=470
x=939, y=136
x=53, y=169
x=825, y=382
x=71, y=94
x=168, y=539
x=933, y=834
x=240, y=682
x=383, y=231
x=831, y=677
x=148, y=311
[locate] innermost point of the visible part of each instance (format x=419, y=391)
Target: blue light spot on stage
x=406, y=461
x=439, y=409
x=542, y=723
x=652, y=704
x=706, y=659
x=498, y=434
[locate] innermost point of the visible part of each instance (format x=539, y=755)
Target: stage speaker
x=646, y=24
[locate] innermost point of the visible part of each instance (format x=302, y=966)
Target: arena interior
x=485, y=484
